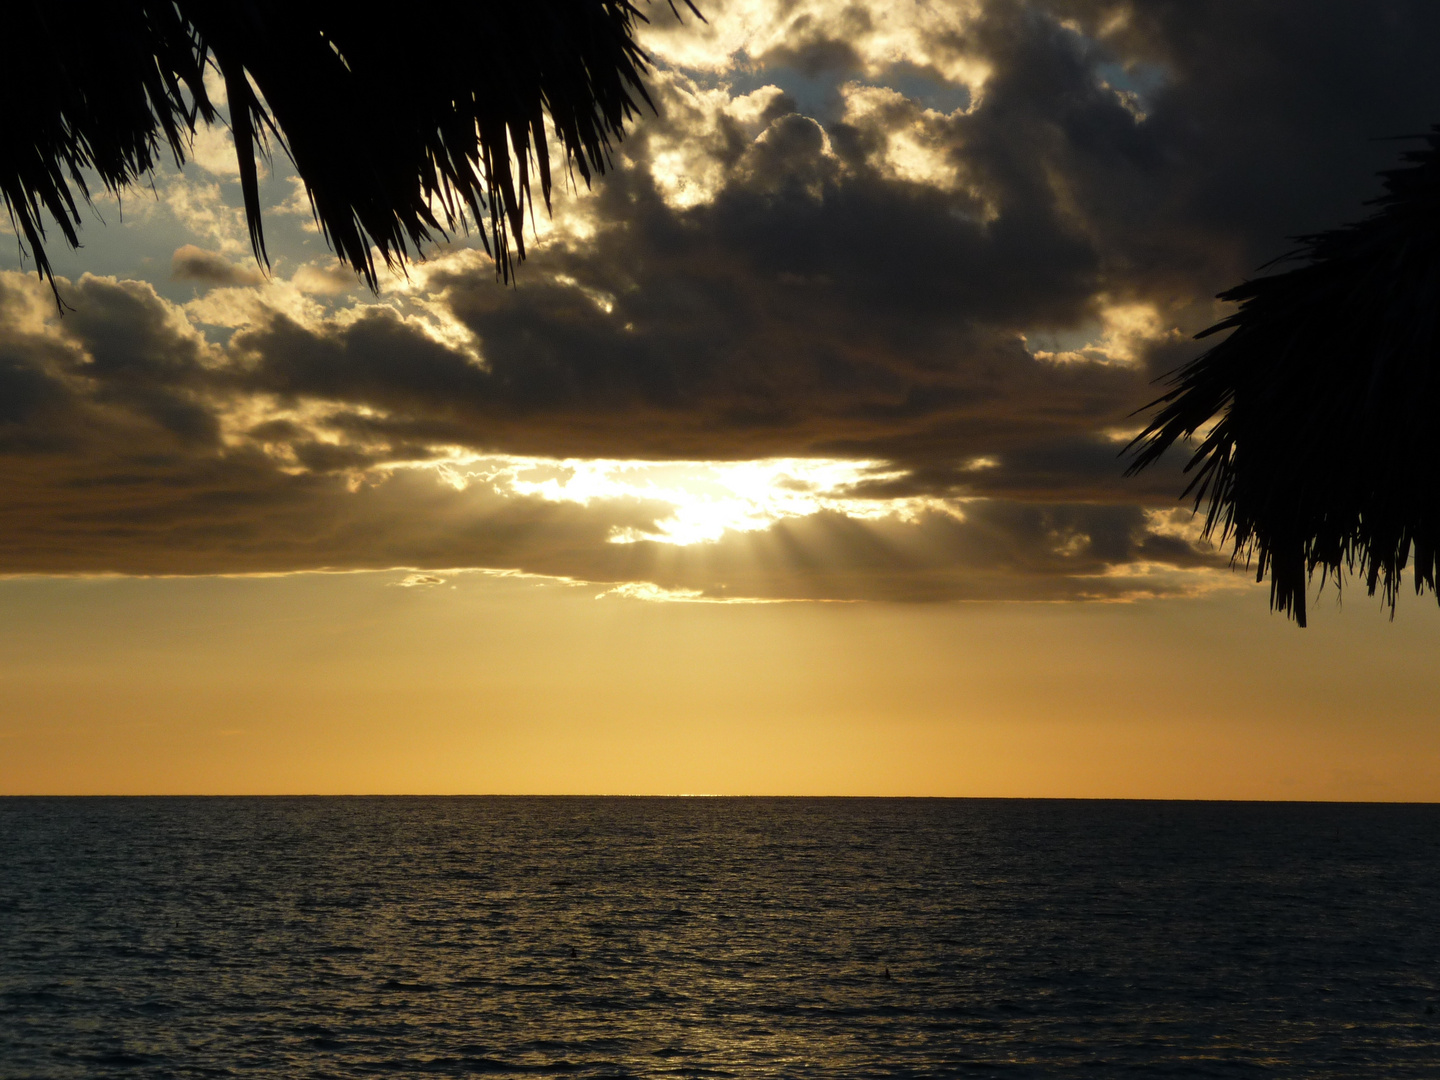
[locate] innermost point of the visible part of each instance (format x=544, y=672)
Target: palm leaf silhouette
x=1325, y=455
x=404, y=126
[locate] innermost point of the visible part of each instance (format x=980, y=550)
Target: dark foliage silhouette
x=404, y=125
x=1325, y=455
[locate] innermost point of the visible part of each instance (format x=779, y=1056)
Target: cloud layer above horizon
x=865, y=313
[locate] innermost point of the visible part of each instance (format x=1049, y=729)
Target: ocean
x=716, y=937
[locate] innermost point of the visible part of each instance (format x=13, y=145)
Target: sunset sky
x=789, y=465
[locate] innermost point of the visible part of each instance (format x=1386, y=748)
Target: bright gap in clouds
x=708, y=498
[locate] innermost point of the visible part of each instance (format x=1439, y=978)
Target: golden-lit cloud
x=915, y=144
x=870, y=36
x=1126, y=332
x=202, y=207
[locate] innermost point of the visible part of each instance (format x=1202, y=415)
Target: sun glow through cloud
x=708, y=498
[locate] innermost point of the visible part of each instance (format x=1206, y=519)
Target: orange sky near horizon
x=344, y=684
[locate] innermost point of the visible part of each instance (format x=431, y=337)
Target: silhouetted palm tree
x=403, y=121
x=1326, y=453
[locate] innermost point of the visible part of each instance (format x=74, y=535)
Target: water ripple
x=716, y=938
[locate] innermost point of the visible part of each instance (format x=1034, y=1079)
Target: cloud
x=213, y=148
x=202, y=208
x=209, y=268
x=866, y=313
x=180, y=479
x=818, y=36
x=419, y=581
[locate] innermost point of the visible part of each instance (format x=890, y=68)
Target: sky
x=790, y=464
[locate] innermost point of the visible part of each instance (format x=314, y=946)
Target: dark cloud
x=209, y=268
x=1270, y=119
x=981, y=299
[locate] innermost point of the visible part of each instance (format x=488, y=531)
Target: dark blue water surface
x=587, y=937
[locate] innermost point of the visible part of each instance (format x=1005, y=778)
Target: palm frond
x=1324, y=456
x=405, y=124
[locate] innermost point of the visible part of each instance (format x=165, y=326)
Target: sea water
x=599, y=937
